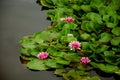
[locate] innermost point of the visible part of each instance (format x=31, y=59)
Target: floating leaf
x=105, y=37
x=94, y=17
x=95, y=78
x=105, y=67
x=109, y=53
x=115, y=41
x=85, y=36
x=75, y=75
x=102, y=48
x=53, y=52
x=52, y=64
x=34, y=52
x=45, y=35
x=47, y=3
x=62, y=61
x=85, y=8
x=59, y=71
x=28, y=58
x=85, y=45
x=27, y=42
x=111, y=20
x=113, y=59
x=76, y=7
x=90, y=26
x=24, y=51
x=84, y=67
x=116, y=31
x=96, y=4
x=37, y=64
x=118, y=72
x=72, y=57
x=86, y=26
x=68, y=39
x=93, y=46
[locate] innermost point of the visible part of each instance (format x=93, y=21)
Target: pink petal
x=42, y=55
x=85, y=60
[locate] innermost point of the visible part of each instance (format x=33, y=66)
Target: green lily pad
x=72, y=57
x=52, y=64
x=105, y=37
x=105, y=67
x=27, y=42
x=47, y=3
x=37, y=64
x=115, y=41
x=62, y=61
x=116, y=31
x=94, y=17
x=85, y=36
x=59, y=72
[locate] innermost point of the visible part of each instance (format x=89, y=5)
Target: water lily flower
x=69, y=19
x=42, y=55
x=74, y=45
x=85, y=60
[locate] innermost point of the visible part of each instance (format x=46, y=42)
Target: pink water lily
x=85, y=60
x=42, y=55
x=67, y=19
x=74, y=45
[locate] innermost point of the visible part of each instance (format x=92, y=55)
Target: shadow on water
x=106, y=76
x=103, y=74
x=117, y=77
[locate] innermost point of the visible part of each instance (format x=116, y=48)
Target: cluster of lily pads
x=84, y=35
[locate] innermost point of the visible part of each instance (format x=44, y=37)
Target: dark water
x=17, y=19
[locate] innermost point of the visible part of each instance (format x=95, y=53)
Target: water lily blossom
x=85, y=60
x=42, y=55
x=69, y=19
x=74, y=45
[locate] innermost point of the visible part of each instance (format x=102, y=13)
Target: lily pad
x=37, y=64
x=52, y=64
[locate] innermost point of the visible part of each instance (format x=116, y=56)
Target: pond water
x=17, y=19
